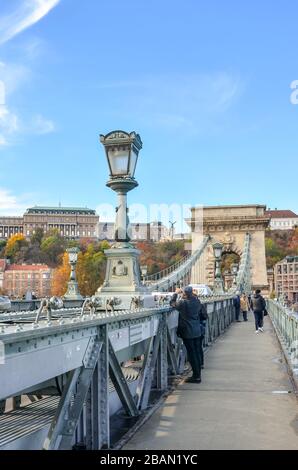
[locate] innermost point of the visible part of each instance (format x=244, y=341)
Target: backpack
x=258, y=304
x=203, y=313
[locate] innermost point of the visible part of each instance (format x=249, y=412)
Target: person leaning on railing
x=189, y=328
x=236, y=303
x=203, y=322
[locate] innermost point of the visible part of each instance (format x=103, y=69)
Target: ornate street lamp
x=234, y=270
x=172, y=229
x=144, y=271
x=123, y=280
x=73, y=292
x=122, y=152
x=218, y=249
x=218, y=281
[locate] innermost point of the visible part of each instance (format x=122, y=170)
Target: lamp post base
x=125, y=301
x=72, y=292
x=123, y=281
x=219, y=286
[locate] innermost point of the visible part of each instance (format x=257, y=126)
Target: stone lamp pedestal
x=123, y=279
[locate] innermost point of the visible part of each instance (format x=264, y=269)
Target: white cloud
x=196, y=103
x=27, y=13
x=33, y=48
x=21, y=15
x=40, y=125
x=12, y=77
x=12, y=124
x=8, y=120
x=9, y=124
x=11, y=204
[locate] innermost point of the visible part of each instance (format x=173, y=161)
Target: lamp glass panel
x=118, y=159
x=217, y=251
x=132, y=163
x=144, y=270
x=73, y=257
x=235, y=269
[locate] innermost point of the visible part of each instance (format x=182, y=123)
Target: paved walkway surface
x=240, y=404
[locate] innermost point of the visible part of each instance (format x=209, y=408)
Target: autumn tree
x=293, y=245
x=33, y=253
x=91, y=268
x=53, y=246
x=158, y=256
x=2, y=247
x=274, y=252
x=16, y=247
x=37, y=237
x=61, y=277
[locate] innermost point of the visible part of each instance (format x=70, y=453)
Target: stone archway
x=229, y=226
x=229, y=258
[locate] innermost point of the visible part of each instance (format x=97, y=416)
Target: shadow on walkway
x=246, y=400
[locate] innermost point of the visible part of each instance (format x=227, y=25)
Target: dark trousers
x=237, y=312
x=244, y=316
x=193, y=348
x=259, y=318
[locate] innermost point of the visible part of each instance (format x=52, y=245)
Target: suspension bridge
x=90, y=378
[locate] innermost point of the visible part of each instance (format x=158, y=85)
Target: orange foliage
x=61, y=277
x=14, y=244
x=293, y=246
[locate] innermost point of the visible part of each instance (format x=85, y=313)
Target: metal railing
x=243, y=281
x=174, y=276
x=165, y=272
x=166, y=278
x=89, y=351
x=25, y=305
x=285, y=322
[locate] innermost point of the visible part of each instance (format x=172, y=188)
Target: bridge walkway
x=243, y=402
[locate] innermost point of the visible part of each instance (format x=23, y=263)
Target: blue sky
x=205, y=84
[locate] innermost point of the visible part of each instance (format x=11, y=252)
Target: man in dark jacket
x=259, y=308
x=189, y=329
x=203, y=322
x=236, y=303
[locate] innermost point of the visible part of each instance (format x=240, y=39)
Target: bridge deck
x=236, y=407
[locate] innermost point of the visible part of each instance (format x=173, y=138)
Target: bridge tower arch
x=229, y=226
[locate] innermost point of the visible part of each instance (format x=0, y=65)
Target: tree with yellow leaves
x=14, y=246
x=91, y=269
x=61, y=277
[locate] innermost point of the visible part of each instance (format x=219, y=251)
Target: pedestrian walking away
x=189, y=328
x=259, y=309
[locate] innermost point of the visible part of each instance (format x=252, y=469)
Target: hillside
x=279, y=244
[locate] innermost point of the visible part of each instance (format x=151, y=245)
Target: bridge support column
x=162, y=360
x=154, y=366
x=103, y=389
